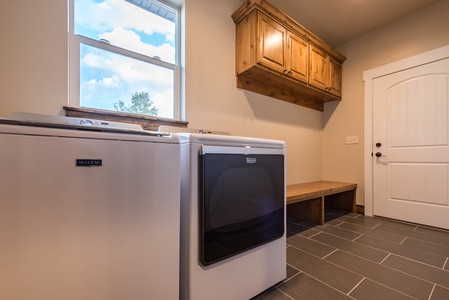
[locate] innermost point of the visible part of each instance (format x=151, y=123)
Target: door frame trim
x=368, y=78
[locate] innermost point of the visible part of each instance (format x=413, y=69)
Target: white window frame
x=75, y=41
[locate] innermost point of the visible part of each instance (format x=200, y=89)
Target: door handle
x=378, y=154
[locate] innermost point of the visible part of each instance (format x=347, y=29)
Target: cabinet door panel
x=319, y=68
x=271, y=38
x=297, y=57
x=335, y=79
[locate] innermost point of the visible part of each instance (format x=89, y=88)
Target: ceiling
x=339, y=21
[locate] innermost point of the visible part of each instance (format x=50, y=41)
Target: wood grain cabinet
x=280, y=49
x=325, y=71
x=277, y=57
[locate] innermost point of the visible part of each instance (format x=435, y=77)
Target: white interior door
x=411, y=151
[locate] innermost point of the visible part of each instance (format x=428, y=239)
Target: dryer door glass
x=242, y=203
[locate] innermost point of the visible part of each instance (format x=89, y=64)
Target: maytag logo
x=89, y=162
x=251, y=160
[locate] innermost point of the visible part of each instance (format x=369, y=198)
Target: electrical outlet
x=353, y=139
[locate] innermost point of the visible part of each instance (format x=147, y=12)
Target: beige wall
x=33, y=78
x=417, y=33
x=214, y=102
x=33, y=56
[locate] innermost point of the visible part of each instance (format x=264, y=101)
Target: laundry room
x=330, y=141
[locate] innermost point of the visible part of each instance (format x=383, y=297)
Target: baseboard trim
x=360, y=209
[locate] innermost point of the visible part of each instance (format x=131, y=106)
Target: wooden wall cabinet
x=277, y=57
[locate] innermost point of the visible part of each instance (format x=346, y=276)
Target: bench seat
x=306, y=201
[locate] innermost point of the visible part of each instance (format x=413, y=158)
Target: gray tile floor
x=358, y=257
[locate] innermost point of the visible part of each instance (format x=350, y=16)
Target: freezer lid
x=63, y=122
x=23, y=129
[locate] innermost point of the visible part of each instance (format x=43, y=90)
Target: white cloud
x=120, y=36
x=121, y=77
x=110, y=14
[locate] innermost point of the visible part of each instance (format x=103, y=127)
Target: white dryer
x=233, y=236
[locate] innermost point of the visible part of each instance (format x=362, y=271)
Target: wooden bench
x=306, y=201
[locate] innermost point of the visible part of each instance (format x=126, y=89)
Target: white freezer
x=77, y=232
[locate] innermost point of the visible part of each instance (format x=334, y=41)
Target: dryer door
x=242, y=201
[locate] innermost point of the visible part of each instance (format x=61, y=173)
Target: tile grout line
x=302, y=272
x=416, y=229
x=400, y=255
x=285, y=293
x=405, y=238
x=324, y=257
x=293, y=267
x=380, y=263
x=336, y=235
x=325, y=283
x=355, y=240
x=372, y=279
x=287, y=280
x=309, y=237
x=393, y=289
x=421, y=234
x=431, y=292
x=418, y=261
x=378, y=224
x=341, y=222
x=356, y=286
x=336, y=249
x=415, y=276
x=391, y=268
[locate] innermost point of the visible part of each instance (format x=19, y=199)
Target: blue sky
x=106, y=78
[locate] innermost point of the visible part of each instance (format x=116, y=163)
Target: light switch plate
x=353, y=139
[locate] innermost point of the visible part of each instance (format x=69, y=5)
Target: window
x=124, y=56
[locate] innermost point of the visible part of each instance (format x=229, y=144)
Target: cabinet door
x=271, y=37
x=319, y=68
x=297, y=57
x=335, y=77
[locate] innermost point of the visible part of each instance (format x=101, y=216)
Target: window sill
x=147, y=122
